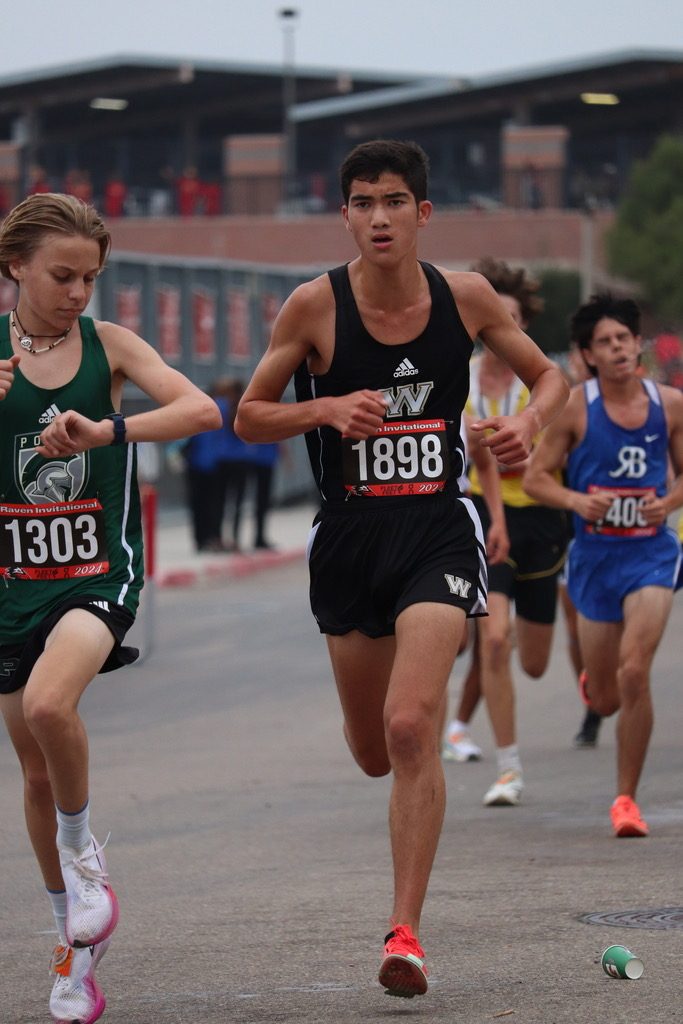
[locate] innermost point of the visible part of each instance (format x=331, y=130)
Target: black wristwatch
x=119, y=427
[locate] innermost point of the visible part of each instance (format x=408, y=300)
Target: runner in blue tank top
x=617, y=434
x=70, y=547
x=381, y=349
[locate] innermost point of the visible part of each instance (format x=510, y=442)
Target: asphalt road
x=250, y=856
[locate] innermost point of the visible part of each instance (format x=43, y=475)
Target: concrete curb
x=228, y=567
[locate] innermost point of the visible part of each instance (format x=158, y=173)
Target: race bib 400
x=400, y=459
x=623, y=518
x=53, y=542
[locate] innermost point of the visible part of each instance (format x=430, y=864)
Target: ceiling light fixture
x=104, y=103
x=605, y=99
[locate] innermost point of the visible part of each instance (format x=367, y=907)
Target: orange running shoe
x=403, y=971
x=626, y=818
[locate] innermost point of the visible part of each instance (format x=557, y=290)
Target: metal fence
x=209, y=319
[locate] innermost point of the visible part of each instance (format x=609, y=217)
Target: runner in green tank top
x=70, y=547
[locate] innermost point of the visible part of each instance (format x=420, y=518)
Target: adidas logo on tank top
x=49, y=415
x=405, y=369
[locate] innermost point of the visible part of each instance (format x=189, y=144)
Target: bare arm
x=485, y=316
x=301, y=330
x=183, y=409
x=497, y=539
x=549, y=456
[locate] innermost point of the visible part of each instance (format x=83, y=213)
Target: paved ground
x=178, y=564
x=251, y=860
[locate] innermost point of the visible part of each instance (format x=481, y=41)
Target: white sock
x=58, y=901
x=73, y=830
x=457, y=726
x=508, y=759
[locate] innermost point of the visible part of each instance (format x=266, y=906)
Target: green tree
x=561, y=291
x=646, y=242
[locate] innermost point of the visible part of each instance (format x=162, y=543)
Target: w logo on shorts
x=457, y=586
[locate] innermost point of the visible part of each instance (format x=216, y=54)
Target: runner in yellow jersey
x=527, y=579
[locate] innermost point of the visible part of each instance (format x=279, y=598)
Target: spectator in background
x=212, y=198
x=215, y=462
x=38, y=182
x=232, y=457
x=77, y=183
x=261, y=460
x=114, y=198
x=188, y=193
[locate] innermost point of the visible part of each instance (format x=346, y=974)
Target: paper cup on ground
x=620, y=962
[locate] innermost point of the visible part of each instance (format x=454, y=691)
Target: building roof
x=158, y=90
x=437, y=98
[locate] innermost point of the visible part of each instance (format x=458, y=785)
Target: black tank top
x=426, y=384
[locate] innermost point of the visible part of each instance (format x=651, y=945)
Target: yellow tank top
x=481, y=407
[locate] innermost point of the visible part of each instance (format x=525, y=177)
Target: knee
x=372, y=762
x=496, y=649
x=604, y=704
x=370, y=758
x=45, y=714
x=408, y=738
x=534, y=663
x=633, y=681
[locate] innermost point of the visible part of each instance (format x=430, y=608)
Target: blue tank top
x=419, y=451
x=630, y=463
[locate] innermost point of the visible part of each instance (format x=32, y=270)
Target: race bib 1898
x=623, y=518
x=53, y=542
x=400, y=459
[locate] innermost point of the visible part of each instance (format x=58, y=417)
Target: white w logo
x=457, y=586
x=409, y=397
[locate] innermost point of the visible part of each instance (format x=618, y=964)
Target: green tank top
x=69, y=525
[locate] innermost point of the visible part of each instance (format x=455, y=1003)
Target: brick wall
x=450, y=238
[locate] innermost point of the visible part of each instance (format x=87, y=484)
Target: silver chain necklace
x=26, y=340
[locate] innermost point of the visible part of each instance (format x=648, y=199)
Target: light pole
x=288, y=17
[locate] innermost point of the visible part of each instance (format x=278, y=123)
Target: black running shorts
x=17, y=660
x=368, y=563
x=538, y=547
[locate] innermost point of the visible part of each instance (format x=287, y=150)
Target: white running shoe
x=76, y=997
x=505, y=791
x=459, y=747
x=92, y=910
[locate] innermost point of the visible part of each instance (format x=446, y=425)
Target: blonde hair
x=48, y=213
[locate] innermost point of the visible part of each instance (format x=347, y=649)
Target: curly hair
x=512, y=281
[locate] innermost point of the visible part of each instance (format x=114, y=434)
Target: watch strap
x=119, y=421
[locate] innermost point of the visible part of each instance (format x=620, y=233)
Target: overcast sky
x=416, y=36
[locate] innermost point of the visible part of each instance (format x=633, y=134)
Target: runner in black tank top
x=427, y=378
x=380, y=350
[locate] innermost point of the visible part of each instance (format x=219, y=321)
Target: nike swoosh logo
x=651, y=437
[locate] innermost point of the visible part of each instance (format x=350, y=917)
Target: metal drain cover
x=666, y=918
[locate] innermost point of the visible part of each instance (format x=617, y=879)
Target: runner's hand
x=71, y=432
x=511, y=437
x=358, y=415
x=7, y=368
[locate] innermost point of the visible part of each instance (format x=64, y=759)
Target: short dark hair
x=513, y=281
x=371, y=159
x=583, y=322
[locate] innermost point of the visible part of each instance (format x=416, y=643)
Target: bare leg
x=48, y=734
x=393, y=724
x=618, y=659
x=496, y=678
x=534, y=641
